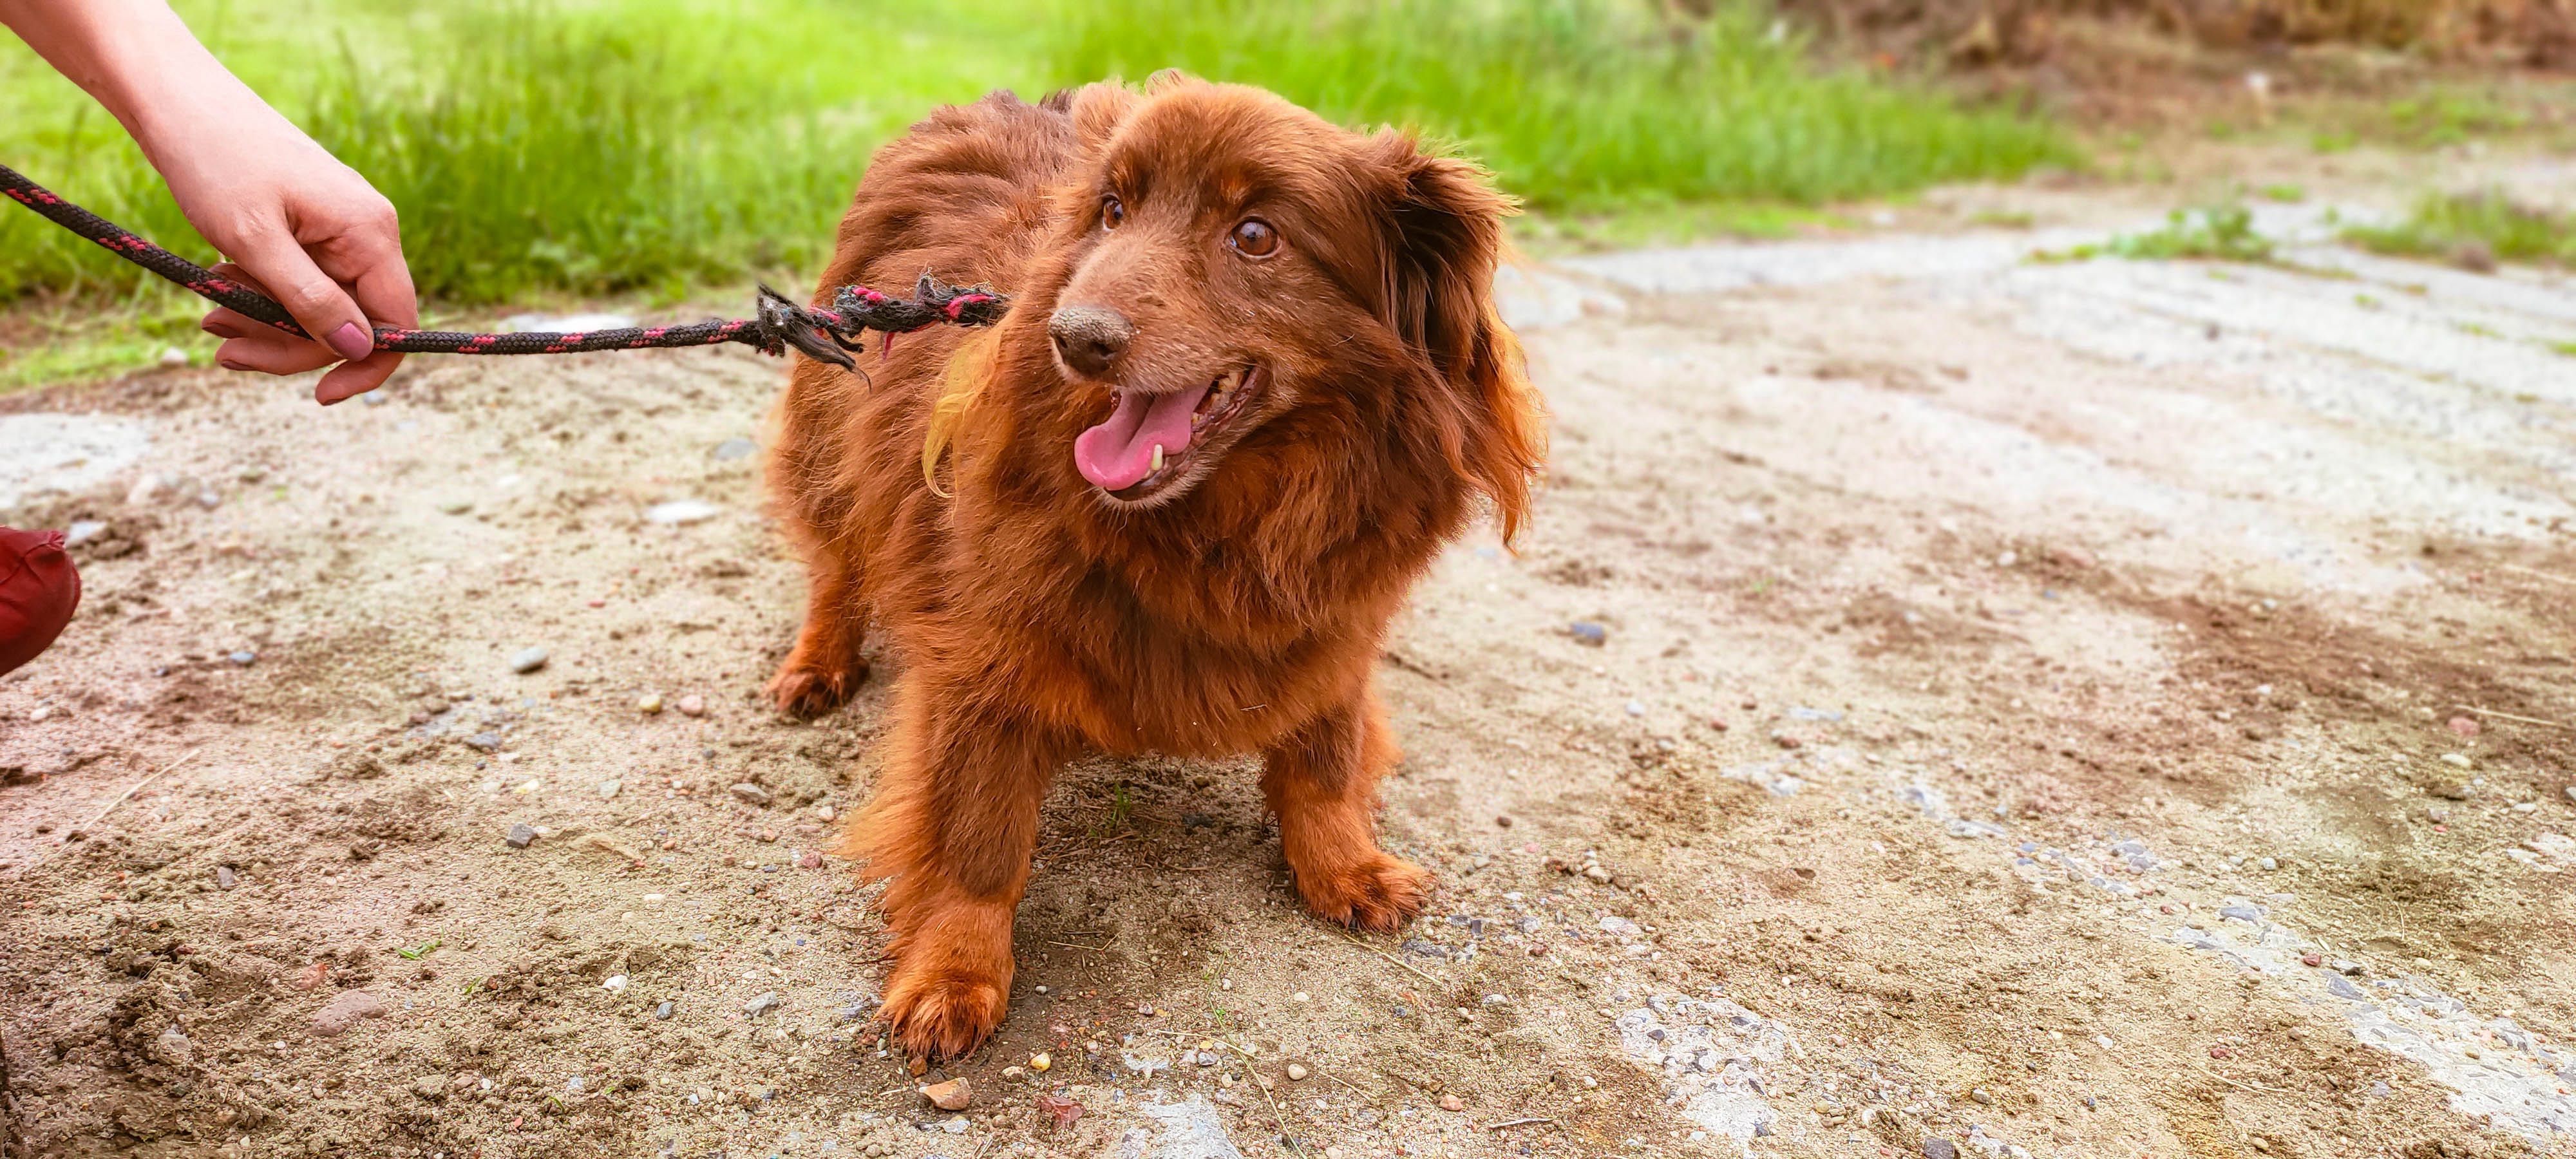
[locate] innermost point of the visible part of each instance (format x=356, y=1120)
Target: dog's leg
x=825, y=668
x=953, y=822
x=1322, y=782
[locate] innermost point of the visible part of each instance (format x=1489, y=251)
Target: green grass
x=1578, y=104
x=2491, y=224
x=2212, y=233
x=589, y=150
x=542, y=150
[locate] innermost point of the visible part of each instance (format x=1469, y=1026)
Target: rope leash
x=830, y=335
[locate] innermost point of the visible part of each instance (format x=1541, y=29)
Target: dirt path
x=1947, y=704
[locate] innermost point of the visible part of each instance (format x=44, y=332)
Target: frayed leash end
x=785, y=324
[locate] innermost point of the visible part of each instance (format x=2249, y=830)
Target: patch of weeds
x=2211, y=233
x=2367, y=302
x=2566, y=348
x=2288, y=193
x=2476, y=329
x=2474, y=230
x=2438, y=119
x=2003, y=219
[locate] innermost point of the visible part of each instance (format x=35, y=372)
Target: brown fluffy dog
x=1250, y=382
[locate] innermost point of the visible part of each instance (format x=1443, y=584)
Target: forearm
x=139, y=61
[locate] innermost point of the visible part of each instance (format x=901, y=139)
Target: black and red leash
x=827, y=334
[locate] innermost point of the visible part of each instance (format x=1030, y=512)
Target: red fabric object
x=39, y=588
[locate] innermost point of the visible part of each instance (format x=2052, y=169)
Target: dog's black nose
x=1090, y=338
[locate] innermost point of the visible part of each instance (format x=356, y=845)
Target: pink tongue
x=1119, y=453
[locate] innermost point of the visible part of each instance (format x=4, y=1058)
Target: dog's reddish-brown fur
x=1036, y=617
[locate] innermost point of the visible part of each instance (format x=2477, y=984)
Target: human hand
x=306, y=230
x=297, y=224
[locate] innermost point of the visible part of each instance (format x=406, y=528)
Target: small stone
x=649, y=703
x=455, y=507
x=2571, y=792
x=681, y=512
x=609, y=788
x=1300, y=996
x=614, y=983
x=224, y=878
x=83, y=531
x=345, y=1011
x=528, y=660
x=520, y=836
x=735, y=448
x=1040, y=1061
x=766, y=1002
x=2464, y=726
x=2268, y=864
x=1587, y=633
x=1502, y=821
x=1297, y=1072
x=662, y=1013
x=173, y=358
x=953, y=1095
x=1636, y=708
x=209, y=500
x=750, y=794
x=2312, y=959
x=1983, y=1096
x=2455, y=791
x=692, y=705
x=242, y=659
x=1940, y=1149
x=1452, y=1103
x=2456, y=760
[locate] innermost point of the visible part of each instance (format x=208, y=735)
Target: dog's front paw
x=804, y=690
x=1378, y=892
x=942, y=1013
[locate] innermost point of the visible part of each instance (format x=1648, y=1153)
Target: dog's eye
x=1253, y=238
x=1113, y=213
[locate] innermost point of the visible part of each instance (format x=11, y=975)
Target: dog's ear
x=1445, y=242
x=1098, y=109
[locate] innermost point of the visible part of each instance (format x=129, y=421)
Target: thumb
x=319, y=304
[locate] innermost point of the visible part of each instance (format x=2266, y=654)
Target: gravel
x=527, y=660
x=681, y=512
x=520, y=836
x=346, y=1011
x=750, y=794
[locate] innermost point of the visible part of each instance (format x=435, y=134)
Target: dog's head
x=1245, y=298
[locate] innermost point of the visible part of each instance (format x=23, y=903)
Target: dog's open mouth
x=1150, y=440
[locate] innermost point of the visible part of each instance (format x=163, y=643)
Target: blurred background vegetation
x=623, y=144
x=561, y=149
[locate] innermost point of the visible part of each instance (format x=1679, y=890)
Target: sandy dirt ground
x=1948, y=705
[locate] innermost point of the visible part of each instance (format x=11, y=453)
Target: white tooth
x=1158, y=456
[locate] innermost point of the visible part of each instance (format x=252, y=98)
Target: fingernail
x=229, y=364
x=350, y=342
x=219, y=330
